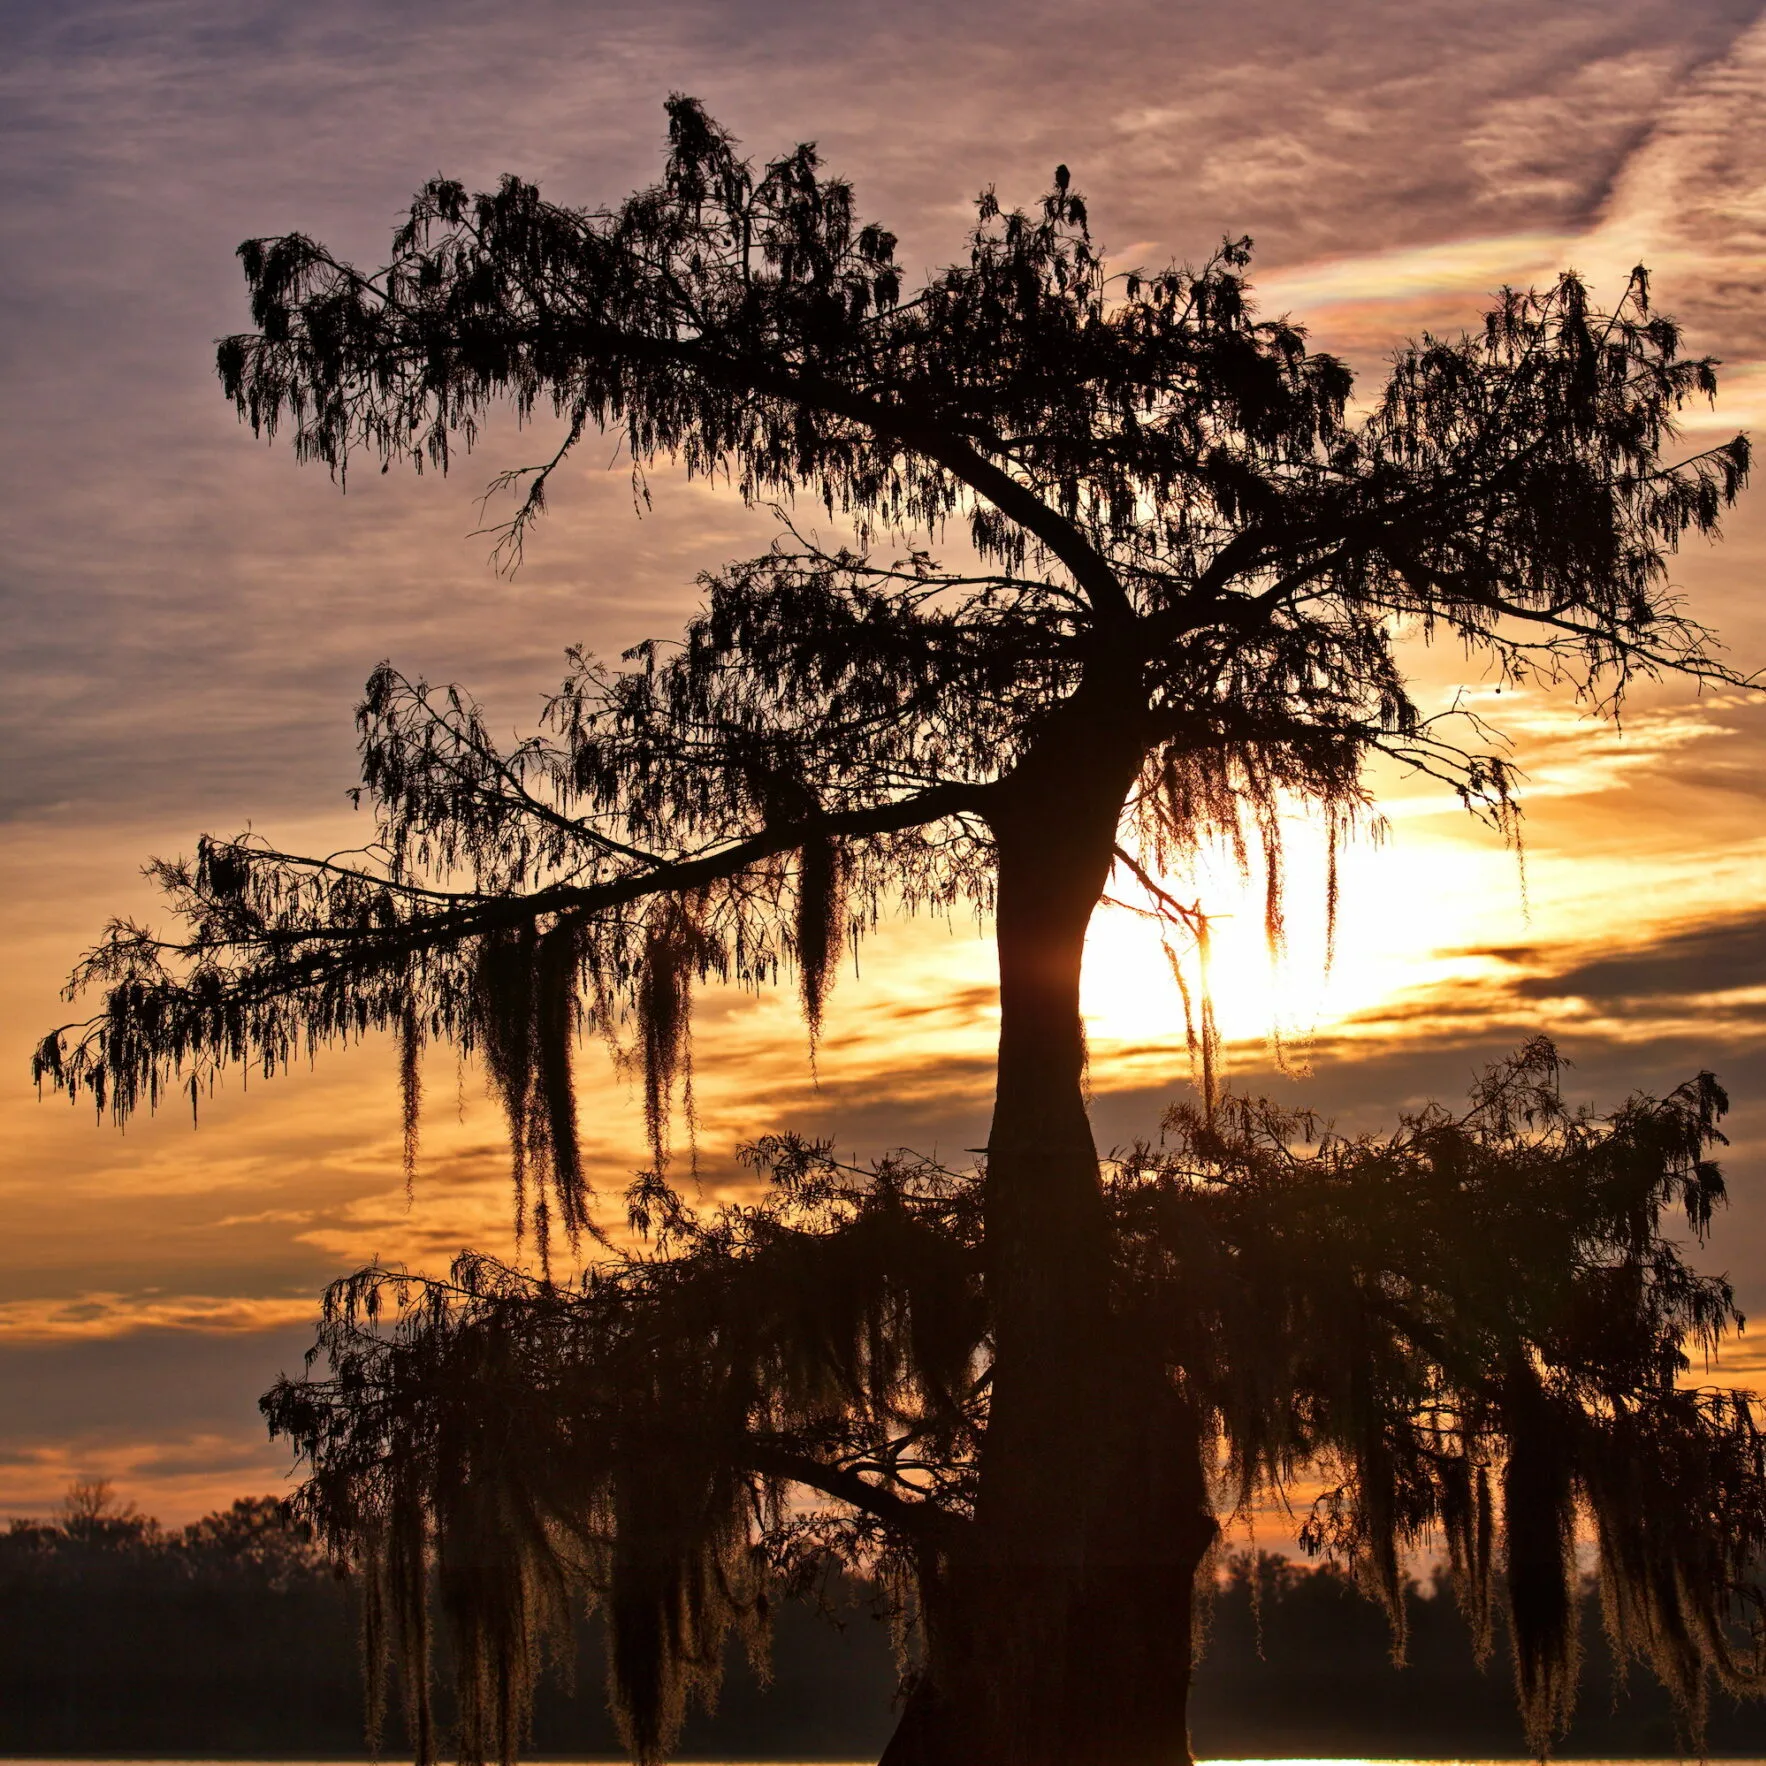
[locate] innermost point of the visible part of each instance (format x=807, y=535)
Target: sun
x=1417, y=912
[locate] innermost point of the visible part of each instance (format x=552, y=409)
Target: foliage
x=234, y=1638
x=98, y=1651
x=256, y=1536
x=1473, y=1327
x=1482, y=1317
x=1177, y=527
x=1185, y=570
x=1298, y=1661
x=639, y=1436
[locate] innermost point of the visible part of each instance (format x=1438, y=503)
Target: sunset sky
x=189, y=615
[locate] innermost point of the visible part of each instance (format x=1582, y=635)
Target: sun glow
x=1411, y=908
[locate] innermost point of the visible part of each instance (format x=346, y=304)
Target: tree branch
x=1091, y=570
x=469, y=916
x=919, y=1519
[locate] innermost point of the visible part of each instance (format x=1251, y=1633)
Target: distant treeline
x=233, y=1636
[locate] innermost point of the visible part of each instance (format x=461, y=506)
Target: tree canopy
x=1160, y=487
x=1125, y=571
x=1474, y=1329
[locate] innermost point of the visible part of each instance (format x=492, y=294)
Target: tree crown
x=1474, y=1327
x=1185, y=548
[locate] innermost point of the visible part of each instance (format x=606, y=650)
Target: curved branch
x=1090, y=569
x=921, y=1520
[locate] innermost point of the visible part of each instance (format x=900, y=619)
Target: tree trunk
x=1062, y=1634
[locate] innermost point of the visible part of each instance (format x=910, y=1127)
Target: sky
x=186, y=616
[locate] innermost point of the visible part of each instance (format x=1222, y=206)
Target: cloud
x=1655, y=154
x=1703, y=961
x=1692, y=199
x=98, y=1315
x=170, y=1416
x=186, y=617
x=1551, y=145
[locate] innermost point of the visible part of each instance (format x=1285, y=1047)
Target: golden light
x=1412, y=910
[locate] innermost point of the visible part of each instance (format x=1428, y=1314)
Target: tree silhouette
x=1188, y=572
x=1476, y=1300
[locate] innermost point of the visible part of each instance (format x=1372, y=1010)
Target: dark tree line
x=119, y=1636
x=1296, y=1659
x=1185, y=575
x=234, y=1636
